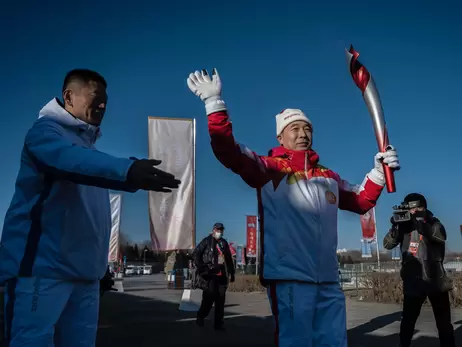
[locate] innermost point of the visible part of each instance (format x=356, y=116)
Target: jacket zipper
x=318, y=231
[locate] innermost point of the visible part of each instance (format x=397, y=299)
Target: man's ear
x=279, y=137
x=67, y=97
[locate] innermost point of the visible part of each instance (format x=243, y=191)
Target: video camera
x=401, y=212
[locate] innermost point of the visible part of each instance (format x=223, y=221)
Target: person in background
x=55, y=238
x=422, y=240
x=215, y=268
x=166, y=265
x=185, y=265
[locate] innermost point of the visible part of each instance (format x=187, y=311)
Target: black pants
x=441, y=311
x=215, y=293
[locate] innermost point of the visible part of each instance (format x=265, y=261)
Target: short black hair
x=84, y=76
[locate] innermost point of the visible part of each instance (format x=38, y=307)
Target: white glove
x=209, y=90
x=389, y=158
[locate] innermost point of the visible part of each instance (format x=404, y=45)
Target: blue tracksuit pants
x=308, y=315
x=40, y=312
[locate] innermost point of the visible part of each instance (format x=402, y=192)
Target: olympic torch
x=363, y=79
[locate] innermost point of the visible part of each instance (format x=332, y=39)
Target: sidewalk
x=147, y=315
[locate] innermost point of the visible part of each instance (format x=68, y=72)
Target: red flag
x=251, y=226
x=368, y=225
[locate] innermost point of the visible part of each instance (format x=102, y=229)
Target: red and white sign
x=251, y=226
x=368, y=225
x=232, y=248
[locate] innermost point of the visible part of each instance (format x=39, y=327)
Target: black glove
x=418, y=222
x=392, y=221
x=143, y=175
x=396, y=229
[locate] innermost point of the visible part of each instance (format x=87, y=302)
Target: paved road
x=147, y=315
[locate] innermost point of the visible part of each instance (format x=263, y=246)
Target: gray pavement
x=147, y=315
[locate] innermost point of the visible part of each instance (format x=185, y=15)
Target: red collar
x=297, y=157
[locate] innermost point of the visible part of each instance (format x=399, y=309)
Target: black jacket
x=423, y=249
x=206, y=257
x=107, y=282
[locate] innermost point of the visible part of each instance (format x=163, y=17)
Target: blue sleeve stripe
x=9, y=308
x=35, y=231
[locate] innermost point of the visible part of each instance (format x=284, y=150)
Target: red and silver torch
x=365, y=83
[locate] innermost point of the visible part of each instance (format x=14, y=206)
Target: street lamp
x=144, y=256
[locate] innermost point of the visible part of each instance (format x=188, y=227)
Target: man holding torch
x=298, y=201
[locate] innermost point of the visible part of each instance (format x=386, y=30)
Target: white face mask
x=218, y=235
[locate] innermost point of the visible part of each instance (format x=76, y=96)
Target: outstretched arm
x=361, y=199
x=255, y=170
x=358, y=199
x=52, y=153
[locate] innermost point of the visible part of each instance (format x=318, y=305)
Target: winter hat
x=287, y=116
x=416, y=197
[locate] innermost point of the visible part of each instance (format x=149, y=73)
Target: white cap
x=287, y=116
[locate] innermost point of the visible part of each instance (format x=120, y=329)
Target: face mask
x=218, y=235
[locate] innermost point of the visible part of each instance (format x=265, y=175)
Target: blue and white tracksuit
x=298, y=204
x=55, y=239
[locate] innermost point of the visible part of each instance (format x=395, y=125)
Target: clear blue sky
x=271, y=55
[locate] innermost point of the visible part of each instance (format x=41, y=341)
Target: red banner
x=368, y=225
x=232, y=248
x=251, y=225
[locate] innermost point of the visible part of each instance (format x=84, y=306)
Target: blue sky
x=270, y=56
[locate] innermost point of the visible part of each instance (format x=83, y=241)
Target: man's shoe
x=200, y=322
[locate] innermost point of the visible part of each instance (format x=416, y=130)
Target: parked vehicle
x=130, y=270
x=147, y=270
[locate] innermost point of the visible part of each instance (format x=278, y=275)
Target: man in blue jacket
x=55, y=238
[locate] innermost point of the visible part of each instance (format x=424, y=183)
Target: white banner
x=172, y=215
x=116, y=205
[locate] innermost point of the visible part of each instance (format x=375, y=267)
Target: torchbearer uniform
x=298, y=201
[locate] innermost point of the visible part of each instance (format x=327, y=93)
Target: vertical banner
x=240, y=258
x=251, y=225
x=114, y=243
x=172, y=215
x=366, y=250
x=368, y=225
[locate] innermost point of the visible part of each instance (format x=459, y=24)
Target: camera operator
x=421, y=237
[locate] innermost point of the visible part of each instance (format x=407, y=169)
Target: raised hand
x=208, y=89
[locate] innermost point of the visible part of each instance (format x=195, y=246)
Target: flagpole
x=194, y=187
x=377, y=241
x=257, y=248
